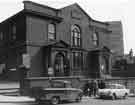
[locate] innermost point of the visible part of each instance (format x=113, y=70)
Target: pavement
x=7, y=99
x=8, y=87
x=9, y=84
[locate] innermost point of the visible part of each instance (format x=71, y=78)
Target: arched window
x=76, y=36
x=51, y=31
x=95, y=38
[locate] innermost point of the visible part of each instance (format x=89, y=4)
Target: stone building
x=67, y=40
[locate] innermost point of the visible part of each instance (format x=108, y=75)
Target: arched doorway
x=61, y=65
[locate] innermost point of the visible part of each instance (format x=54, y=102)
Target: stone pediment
x=76, y=11
x=61, y=44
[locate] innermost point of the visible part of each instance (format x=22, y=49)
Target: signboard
x=26, y=60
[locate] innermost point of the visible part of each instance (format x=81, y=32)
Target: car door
x=70, y=92
x=118, y=91
x=121, y=90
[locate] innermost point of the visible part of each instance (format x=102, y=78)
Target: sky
x=101, y=10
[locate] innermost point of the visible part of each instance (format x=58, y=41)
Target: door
x=59, y=65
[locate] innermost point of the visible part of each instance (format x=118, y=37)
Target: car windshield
x=109, y=86
x=113, y=86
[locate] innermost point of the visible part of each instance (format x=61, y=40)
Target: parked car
x=114, y=91
x=58, y=90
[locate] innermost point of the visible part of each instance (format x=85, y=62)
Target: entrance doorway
x=61, y=65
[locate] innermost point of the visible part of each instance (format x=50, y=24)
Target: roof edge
x=41, y=5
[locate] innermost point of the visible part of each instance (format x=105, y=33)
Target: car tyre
x=38, y=101
x=55, y=100
x=79, y=98
x=125, y=96
x=114, y=96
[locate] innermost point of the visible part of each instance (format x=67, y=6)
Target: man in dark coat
x=101, y=84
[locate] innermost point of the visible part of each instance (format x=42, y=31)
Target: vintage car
x=114, y=91
x=58, y=90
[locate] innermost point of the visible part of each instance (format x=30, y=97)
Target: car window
x=110, y=86
x=68, y=85
x=57, y=85
x=120, y=87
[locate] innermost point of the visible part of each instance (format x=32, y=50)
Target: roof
x=76, y=4
x=35, y=13
x=41, y=5
x=49, y=16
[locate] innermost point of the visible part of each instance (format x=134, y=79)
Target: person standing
x=94, y=87
x=102, y=84
x=86, y=89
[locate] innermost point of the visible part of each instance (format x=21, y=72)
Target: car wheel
x=125, y=96
x=79, y=98
x=114, y=96
x=38, y=100
x=55, y=100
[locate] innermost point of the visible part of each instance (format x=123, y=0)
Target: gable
x=76, y=11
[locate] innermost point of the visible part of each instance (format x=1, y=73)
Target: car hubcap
x=78, y=98
x=55, y=101
x=113, y=97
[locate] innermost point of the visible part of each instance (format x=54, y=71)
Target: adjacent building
x=58, y=42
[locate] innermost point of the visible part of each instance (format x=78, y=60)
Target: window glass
x=76, y=36
x=95, y=38
x=77, y=59
x=1, y=35
x=13, y=32
x=57, y=85
x=68, y=85
x=51, y=31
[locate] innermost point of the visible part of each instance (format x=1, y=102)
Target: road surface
x=85, y=101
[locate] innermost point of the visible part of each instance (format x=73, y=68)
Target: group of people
x=92, y=86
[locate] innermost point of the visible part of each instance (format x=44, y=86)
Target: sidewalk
x=8, y=99
x=9, y=84
x=8, y=88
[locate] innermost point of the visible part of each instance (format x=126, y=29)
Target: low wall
x=77, y=82
x=27, y=83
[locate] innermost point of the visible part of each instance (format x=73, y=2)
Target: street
x=85, y=101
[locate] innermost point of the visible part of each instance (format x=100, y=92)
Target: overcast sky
x=102, y=10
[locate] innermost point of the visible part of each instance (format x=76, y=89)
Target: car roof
x=62, y=81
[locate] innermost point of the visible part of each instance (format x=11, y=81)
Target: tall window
x=77, y=59
x=76, y=36
x=14, y=32
x=51, y=31
x=1, y=35
x=95, y=38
